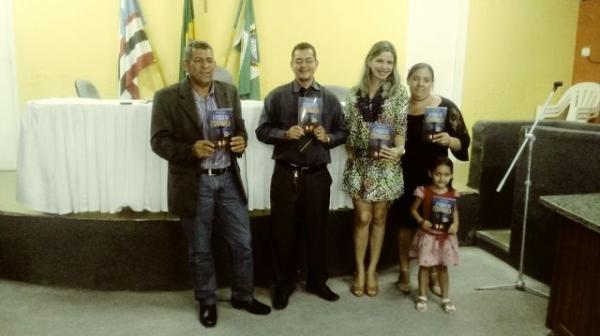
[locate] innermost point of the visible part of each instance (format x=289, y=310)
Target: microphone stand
x=529, y=140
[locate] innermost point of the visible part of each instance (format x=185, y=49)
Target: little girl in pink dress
x=435, y=243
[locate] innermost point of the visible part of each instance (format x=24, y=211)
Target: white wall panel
x=437, y=33
x=8, y=90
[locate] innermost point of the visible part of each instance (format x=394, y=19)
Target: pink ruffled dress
x=437, y=247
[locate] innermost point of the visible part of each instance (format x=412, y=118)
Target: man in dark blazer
x=204, y=180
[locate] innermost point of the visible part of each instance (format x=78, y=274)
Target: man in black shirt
x=300, y=183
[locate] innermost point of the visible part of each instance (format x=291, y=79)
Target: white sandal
x=421, y=304
x=448, y=306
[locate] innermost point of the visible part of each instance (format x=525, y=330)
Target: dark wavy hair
x=420, y=66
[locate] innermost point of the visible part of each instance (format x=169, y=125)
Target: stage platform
x=127, y=250
x=146, y=251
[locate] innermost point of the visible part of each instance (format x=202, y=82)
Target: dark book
x=442, y=209
x=220, y=130
x=433, y=121
x=380, y=136
x=309, y=113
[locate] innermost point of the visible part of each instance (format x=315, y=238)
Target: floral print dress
x=365, y=178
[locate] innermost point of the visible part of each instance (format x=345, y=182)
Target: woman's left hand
x=391, y=153
x=442, y=139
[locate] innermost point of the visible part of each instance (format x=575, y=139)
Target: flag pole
x=155, y=61
x=160, y=72
x=235, y=24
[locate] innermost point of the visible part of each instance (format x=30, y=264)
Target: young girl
x=435, y=244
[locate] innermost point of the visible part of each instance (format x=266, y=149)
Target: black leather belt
x=214, y=172
x=301, y=169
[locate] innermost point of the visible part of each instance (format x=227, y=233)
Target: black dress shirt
x=281, y=112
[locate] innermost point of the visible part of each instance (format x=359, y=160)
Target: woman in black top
x=420, y=152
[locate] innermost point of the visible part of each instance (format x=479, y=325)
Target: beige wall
x=59, y=41
x=515, y=48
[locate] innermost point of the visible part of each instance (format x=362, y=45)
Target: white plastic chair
x=582, y=100
x=85, y=89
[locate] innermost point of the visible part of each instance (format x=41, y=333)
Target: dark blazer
x=175, y=127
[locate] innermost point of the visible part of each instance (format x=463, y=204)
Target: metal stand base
x=519, y=285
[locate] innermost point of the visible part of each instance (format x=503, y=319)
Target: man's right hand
x=203, y=149
x=294, y=133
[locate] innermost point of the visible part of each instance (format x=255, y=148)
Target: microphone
x=557, y=84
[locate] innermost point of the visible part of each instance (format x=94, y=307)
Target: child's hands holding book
x=426, y=225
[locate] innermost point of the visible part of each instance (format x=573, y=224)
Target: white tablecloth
x=78, y=155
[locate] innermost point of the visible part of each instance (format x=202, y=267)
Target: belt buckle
x=210, y=172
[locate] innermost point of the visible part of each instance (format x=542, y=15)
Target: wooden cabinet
x=574, y=306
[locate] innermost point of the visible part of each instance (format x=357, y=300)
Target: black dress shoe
x=208, y=315
x=253, y=306
x=280, y=298
x=323, y=292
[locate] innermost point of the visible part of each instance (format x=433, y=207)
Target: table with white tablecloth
x=79, y=155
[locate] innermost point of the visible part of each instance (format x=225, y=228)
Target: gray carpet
x=28, y=310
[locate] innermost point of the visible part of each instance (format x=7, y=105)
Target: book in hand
x=220, y=130
x=433, y=121
x=442, y=209
x=309, y=113
x=380, y=135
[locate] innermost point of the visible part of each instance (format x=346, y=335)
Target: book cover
x=380, y=136
x=433, y=121
x=220, y=122
x=309, y=113
x=442, y=209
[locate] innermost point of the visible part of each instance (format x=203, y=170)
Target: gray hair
x=190, y=47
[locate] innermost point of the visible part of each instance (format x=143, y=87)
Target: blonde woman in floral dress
x=374, y=183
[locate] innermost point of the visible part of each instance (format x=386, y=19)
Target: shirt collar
x=296, y=86
x=211, y=91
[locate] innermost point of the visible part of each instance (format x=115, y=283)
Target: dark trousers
x=299, y=214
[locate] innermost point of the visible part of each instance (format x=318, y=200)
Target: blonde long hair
x=391, y=85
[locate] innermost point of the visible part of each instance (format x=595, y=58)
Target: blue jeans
x=220, y=197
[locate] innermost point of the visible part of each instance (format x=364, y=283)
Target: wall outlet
x=585, y=51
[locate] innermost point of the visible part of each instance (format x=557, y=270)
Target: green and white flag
x=188, y=32
x=247, y=44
